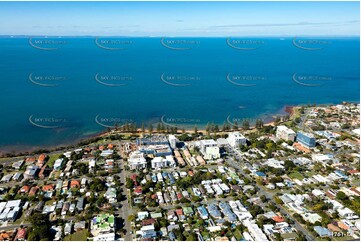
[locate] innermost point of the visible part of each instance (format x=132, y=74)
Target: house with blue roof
x=260, y=174
x=322, y=232
x=203, y=212
x=214, y=211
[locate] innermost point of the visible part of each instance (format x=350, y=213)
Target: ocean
x=56, y=91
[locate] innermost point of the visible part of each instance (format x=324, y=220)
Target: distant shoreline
x=27, y=150
x=18, y=149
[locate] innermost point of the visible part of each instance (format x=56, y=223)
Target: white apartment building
x=159, y=162
x=137, y=160
x=236, y=139
x=209, y=149
x=285, y=133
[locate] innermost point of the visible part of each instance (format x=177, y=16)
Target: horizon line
x=164, y=36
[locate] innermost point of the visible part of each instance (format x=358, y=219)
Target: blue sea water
x=74, y=87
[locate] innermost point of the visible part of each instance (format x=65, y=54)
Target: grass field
x=80, y=235
x=52, y=159
x=296, y=175
x=237, y=234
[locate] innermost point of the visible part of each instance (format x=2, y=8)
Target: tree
x=259, y=123
x=245, y=124
x=192, y=237
x=289, y=165
x=278, y=200
x=263, y=198
x=208, y=128
x=195, y=129
x=341, y=196
x=143, y=128
x=129, y=183
x=235, y=125
x=150, y=128
x=40, y=227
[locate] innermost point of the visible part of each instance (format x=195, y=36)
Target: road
x=125, y=208
x=231, y=162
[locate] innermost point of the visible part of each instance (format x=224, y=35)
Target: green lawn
x=296, y=175
x=52, y=159
x=237, y=234
x=310, y=174
x=355, y=181
x=80, y=235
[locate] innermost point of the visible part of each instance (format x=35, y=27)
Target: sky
x=203, y=19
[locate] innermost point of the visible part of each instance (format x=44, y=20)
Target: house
x=83, y=182
x=18, y=176
x=44, y=171
x=214, y=211
x=58, y=163
x=65, y=185
x=202, y=212
x=57, y=230
x=322, y=232
x=24, y=189
x=142, y=215
x=138, y=190
x=347, y=213
x=41, y=160
x=33, y=191
x=333, y=228
x=171, y=215
x=311, y=217
x=20, y=234
x=180, y=214
x=149, y=221
x=18, y=164
x=147, y=232
x=102, y=227
x=48, y=188
x=79, y=225
x=6, y=178
x=74, y=184
x=68, y=228
x=275, y=163
x=80, y=204
x=111, y=195
x=156, y=215
x=31, y=172
x=65, y=208
x=188, y=211
x=6, y=235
